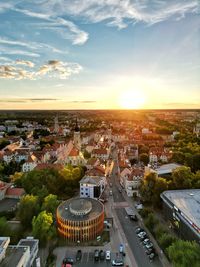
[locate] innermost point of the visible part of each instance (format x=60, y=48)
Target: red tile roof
x=15, y=192
x=74, y=152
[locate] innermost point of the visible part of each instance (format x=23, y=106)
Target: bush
x=166, y=240
x=145, y=212
x=150, y=222
x=160, y=231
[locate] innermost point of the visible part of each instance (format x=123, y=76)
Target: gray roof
x=13, y=256
x=90, y=180
x=167, y=168
x=64, y=209
x=187, y=201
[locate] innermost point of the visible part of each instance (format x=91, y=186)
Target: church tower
x=77, y=136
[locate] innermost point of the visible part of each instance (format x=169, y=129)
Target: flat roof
x=13, y=256
x=28, y=243
x=167, y=168
x=65, y=213
x=187, y=201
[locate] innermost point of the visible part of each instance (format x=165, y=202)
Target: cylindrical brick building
x=80, y=219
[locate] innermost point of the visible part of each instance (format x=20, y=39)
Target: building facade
x=80, y=219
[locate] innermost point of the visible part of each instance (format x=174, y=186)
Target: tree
x=28, y=208
x=151, y=222
x=182, y=177
x=160, y=186
x=147, y=187
x=166, y=240
x=144, y=158
x=4, y=143
x=4, y=227
x=86, y=154
x=43, y=227
x=184, y=253
x=50, y=203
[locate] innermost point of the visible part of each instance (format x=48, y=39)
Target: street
x=128, y=226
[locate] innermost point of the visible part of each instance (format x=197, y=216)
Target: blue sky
x=65, y=54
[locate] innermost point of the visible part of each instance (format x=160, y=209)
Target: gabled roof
x=15, y=192
x=90, y=180
x=74, y=152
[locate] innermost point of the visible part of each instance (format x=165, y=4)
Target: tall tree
x=28, y=208
x=43, y=227
x=184, y=254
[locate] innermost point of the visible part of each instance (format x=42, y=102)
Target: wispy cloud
x=67, y=29
x=82, y=101
x=26, y=100
x=121, y=13
x=52, y=69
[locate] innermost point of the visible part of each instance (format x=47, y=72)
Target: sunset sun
x=132, y=99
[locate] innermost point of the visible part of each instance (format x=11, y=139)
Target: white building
x=21, y=255
x=92, y=186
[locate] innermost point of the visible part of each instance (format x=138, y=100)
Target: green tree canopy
x=28, y=208
x=43, y=227
x=4, y=227
x=144, y=157
x=182, y=177
x=184, y=253
x=50, y=203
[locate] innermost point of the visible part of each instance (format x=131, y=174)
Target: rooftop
x=188, y=202
x=13, y=256
x=80, y=209
x=167, y=168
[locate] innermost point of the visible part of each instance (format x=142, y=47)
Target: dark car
x=79, y=255
x=150, y=250
x=68, y=261
x=96, y=255
x=102, y=255
x=134, y=217
x=138, y=230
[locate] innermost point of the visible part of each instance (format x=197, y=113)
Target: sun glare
x=132, y=99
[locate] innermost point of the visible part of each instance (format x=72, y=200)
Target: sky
x=99, y=54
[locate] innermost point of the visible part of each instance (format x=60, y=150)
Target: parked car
x=141, y=234
x=118, y=262
x=152, y=256
x=121, y=248
x=96, y=255
x=67, y=263
x=150, y=250
x=108, y=255
x=134, y=217
x=102, y=255
x=149, y=245
x=79, y=255
x=146, y=241
x=138, y=230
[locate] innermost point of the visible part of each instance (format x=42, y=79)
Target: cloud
x=25, y=100
x=25, y=62
x=52, y=69
x=67, y=29
x=82, y=101
x=182, y=105
x=121, y=13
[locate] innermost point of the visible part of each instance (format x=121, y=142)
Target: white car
x=108, y=255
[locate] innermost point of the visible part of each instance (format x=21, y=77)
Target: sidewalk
x=117, y=235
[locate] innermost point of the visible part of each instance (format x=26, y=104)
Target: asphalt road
x=129, y=226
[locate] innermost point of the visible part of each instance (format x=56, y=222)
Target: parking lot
x=87, y=259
